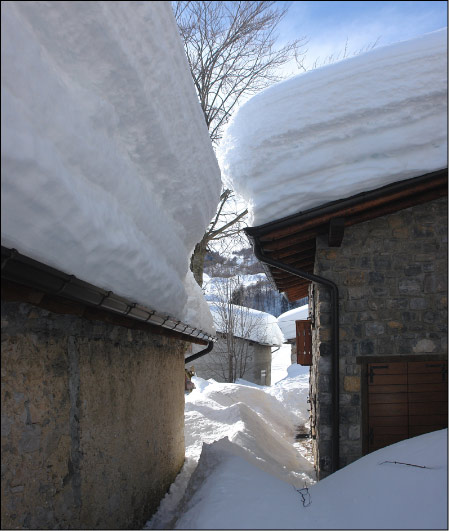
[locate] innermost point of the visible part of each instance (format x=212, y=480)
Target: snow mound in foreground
x=108, y=172
x=375, y=492
x=342, y=129
x=258, y=423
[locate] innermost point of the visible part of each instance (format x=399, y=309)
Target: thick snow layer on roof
x=254, y=325
x=340, y=130
x=108, y=172
x=286, y=321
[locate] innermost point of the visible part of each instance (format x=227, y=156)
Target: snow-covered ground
x=259, y=422
x=403, y=486
x=339, y=130
x=281, y=361
x=108, y=172
x=242, y=470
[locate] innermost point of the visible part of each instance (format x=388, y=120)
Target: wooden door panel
x=389, y=368
x=387, y=398
x=424, y=378
x=304, y=342
x=428, y=387
x=428, y=420
x=425, y=408
x=389, y=421
x=388, y=379
x=385, y=440
x=387, y=410
x=426, y=366
x=414, y=431
x=389, y=430
x=404, y=399
x=429, y=397
x=376, y=389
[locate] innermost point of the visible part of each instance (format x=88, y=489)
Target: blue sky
x=328, y=25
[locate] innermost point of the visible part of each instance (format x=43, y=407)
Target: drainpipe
x=209, y=347
x=334, y=342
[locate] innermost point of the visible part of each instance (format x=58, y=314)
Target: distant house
x=246, y=338
x=102, y=134
x=346, y=169
x=288, y=323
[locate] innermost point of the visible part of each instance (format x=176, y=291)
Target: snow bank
x=339, y=130
x=232, y=493
x=246, y=323
x=286, y=321
x=259, y=421
x=108, y=172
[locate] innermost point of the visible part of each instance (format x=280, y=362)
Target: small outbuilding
x=246, y=338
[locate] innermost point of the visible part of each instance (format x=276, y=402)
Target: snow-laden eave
x=299, y=231
x=255, y=341
x=47, y=281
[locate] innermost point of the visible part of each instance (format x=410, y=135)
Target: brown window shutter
x=304, y=342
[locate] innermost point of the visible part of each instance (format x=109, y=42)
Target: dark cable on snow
x=408, y=464
x=305, y=496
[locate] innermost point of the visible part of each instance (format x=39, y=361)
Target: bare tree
x=238, y=327
x=232, y=53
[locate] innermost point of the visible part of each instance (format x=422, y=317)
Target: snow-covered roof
x=287, y=320
x=342, y=129
x=246, y=323
x=108, y=172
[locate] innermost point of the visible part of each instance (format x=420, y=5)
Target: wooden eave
x=291, y=240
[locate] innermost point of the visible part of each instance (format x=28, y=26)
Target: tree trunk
x=197, y=260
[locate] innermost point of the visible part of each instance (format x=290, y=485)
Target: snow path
x=260, y=424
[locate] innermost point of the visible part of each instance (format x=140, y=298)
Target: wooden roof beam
x=336, y=232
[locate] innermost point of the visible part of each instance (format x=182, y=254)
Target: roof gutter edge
x=21, y=269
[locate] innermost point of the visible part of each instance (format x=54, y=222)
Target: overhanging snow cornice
x=31, y=281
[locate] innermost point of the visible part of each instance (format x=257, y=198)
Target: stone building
x=257, y=361
x=108, y=181
x=345, y=169
x=378, y=307
x=246, y=338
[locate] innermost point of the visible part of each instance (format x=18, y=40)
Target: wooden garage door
x=405, y=399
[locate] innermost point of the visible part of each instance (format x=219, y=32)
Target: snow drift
x=259, y=422
x=342, y=129
x=108, y=172
x=402, y=486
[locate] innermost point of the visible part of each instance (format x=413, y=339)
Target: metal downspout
x=209, y=347
x=334, y=342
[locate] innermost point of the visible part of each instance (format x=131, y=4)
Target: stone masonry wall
x=92, y=421
x=392, y=278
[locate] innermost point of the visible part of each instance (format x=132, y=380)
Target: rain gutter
x=201, y=353
x=24, y=271
x=335, y=348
